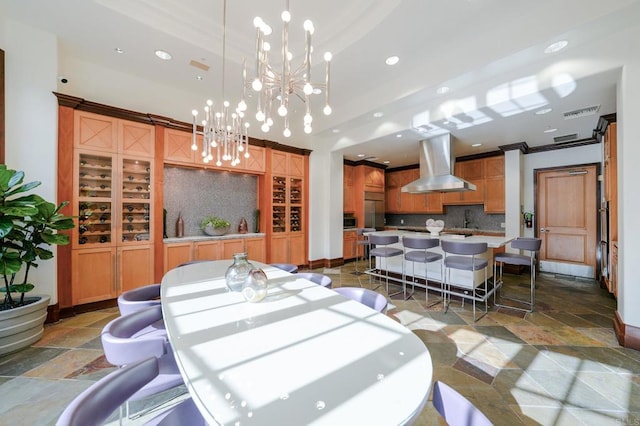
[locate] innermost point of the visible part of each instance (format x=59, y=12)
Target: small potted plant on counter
x=29, y=225
x=213, y=225
x=528, y=219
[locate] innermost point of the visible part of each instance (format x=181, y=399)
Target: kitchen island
x=465, y=279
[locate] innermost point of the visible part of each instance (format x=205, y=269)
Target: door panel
x=567, y=214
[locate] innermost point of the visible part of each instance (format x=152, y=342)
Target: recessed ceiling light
x=544, y=111
x=317, y=91
x=398, y=135
x=361, y=155
x=475, y=145
x=551, y=130
x=378, y=114
x=118, y=50
x=392, y=60
x=556, y=47
x=199, y=77
x=336, y=130
x=386, y=161
x=163, y=54
x=442, y=90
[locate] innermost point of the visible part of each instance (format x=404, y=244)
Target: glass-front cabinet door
x=135, y=202
x=94, y=208
x=279, y=204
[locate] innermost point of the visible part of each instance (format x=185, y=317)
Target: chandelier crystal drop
x=276, y=86
x=224, y=131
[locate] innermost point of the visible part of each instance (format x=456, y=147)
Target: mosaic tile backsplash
x=454, y=217
x=200, y=193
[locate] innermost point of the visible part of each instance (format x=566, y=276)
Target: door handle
x=543, y=230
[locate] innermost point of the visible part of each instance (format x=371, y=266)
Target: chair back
x=96, y=403
x=530, y=244
x=139, y=298
x=455, y=409
x=362, y=231
x=367, y=297
x=463, y=248
x=192, y=262
x=316, y=278
x=289, y=267
x=382, y=240
x=419, y=243
x=132, y=337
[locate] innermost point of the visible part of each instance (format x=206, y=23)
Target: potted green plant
x=213, y=225
x=528, y=219
x=28, y=226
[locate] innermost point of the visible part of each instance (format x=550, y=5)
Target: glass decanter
x=238, y=272
x=254, y=288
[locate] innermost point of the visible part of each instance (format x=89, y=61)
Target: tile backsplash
x=200, y=193
x=454, y=217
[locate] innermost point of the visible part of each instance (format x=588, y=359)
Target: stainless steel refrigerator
x=374, y=210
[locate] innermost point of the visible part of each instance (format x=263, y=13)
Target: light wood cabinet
x=177, y=253
x=178, y=150
x=349, y=245
x=113, y=168
x=348, y=195
x=287, y=206
x=404, y=202
x=373, y=179
x=494, y=184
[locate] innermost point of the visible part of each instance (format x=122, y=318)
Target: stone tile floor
x=560, y=365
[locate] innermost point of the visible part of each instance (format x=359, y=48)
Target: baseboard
x=53, y=313
x=628, y=336
x=326, y=263
x=88, y=307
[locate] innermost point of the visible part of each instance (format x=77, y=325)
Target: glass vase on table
x=238, y=272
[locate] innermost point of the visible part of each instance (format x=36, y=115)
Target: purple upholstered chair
x=137, y=336
x=455, y=409
x=285, y=267
x=465, y=256
x=532, y=245
x=139, y=298
x=367, y=297
x=416, y=249
x=319, y=279
x=100, y=400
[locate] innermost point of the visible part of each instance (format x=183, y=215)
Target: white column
x=513, y=192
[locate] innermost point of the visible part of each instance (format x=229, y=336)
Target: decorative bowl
x=435, y=226
x=210, y=230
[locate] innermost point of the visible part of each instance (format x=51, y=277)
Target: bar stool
x=532, y=245
x=420, y=253
x=464, y=256
x=362, y=240
x=380, y=244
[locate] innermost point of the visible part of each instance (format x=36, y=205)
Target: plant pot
x=22, y=326
x=210, y=230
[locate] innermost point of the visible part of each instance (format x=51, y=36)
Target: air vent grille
x=569, y=115
x=565, y=138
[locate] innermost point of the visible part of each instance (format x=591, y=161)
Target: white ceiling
x=489, y=52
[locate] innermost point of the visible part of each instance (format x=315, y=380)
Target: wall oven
x=349, y=222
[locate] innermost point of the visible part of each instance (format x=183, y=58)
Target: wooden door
x=92, y=276
x=256, y=249
x=566, y=220
x=230, y=247
x=176, y=254
x=207, y=250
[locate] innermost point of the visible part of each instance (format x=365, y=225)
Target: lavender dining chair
x=367, y=297
x=96, y=404
x=455, y=409
x=319, y=279
x=289, y=267
x=139, y=298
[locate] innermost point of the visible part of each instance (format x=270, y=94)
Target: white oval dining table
x=304, y=355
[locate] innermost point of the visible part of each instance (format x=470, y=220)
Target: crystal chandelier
x=278, y=85
x=224, y=132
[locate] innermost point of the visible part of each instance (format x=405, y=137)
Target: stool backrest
x=522, y=243
x=362, y=231
x=420, y=243
x=455, y=408
x=316, y=278
x=383, y=240
x=367, y=297
x=463, y=248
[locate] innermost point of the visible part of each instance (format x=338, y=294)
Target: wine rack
x=95, y=199
x=136, y=193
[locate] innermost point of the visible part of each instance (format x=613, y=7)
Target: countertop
x=468, y=231
x=212, y=237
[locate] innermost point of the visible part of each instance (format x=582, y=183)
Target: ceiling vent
x=565, y=138
x=582, y=112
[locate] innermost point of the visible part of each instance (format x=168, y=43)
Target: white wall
x=31, y=119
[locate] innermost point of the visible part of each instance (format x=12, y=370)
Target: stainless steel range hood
x=437, y=161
